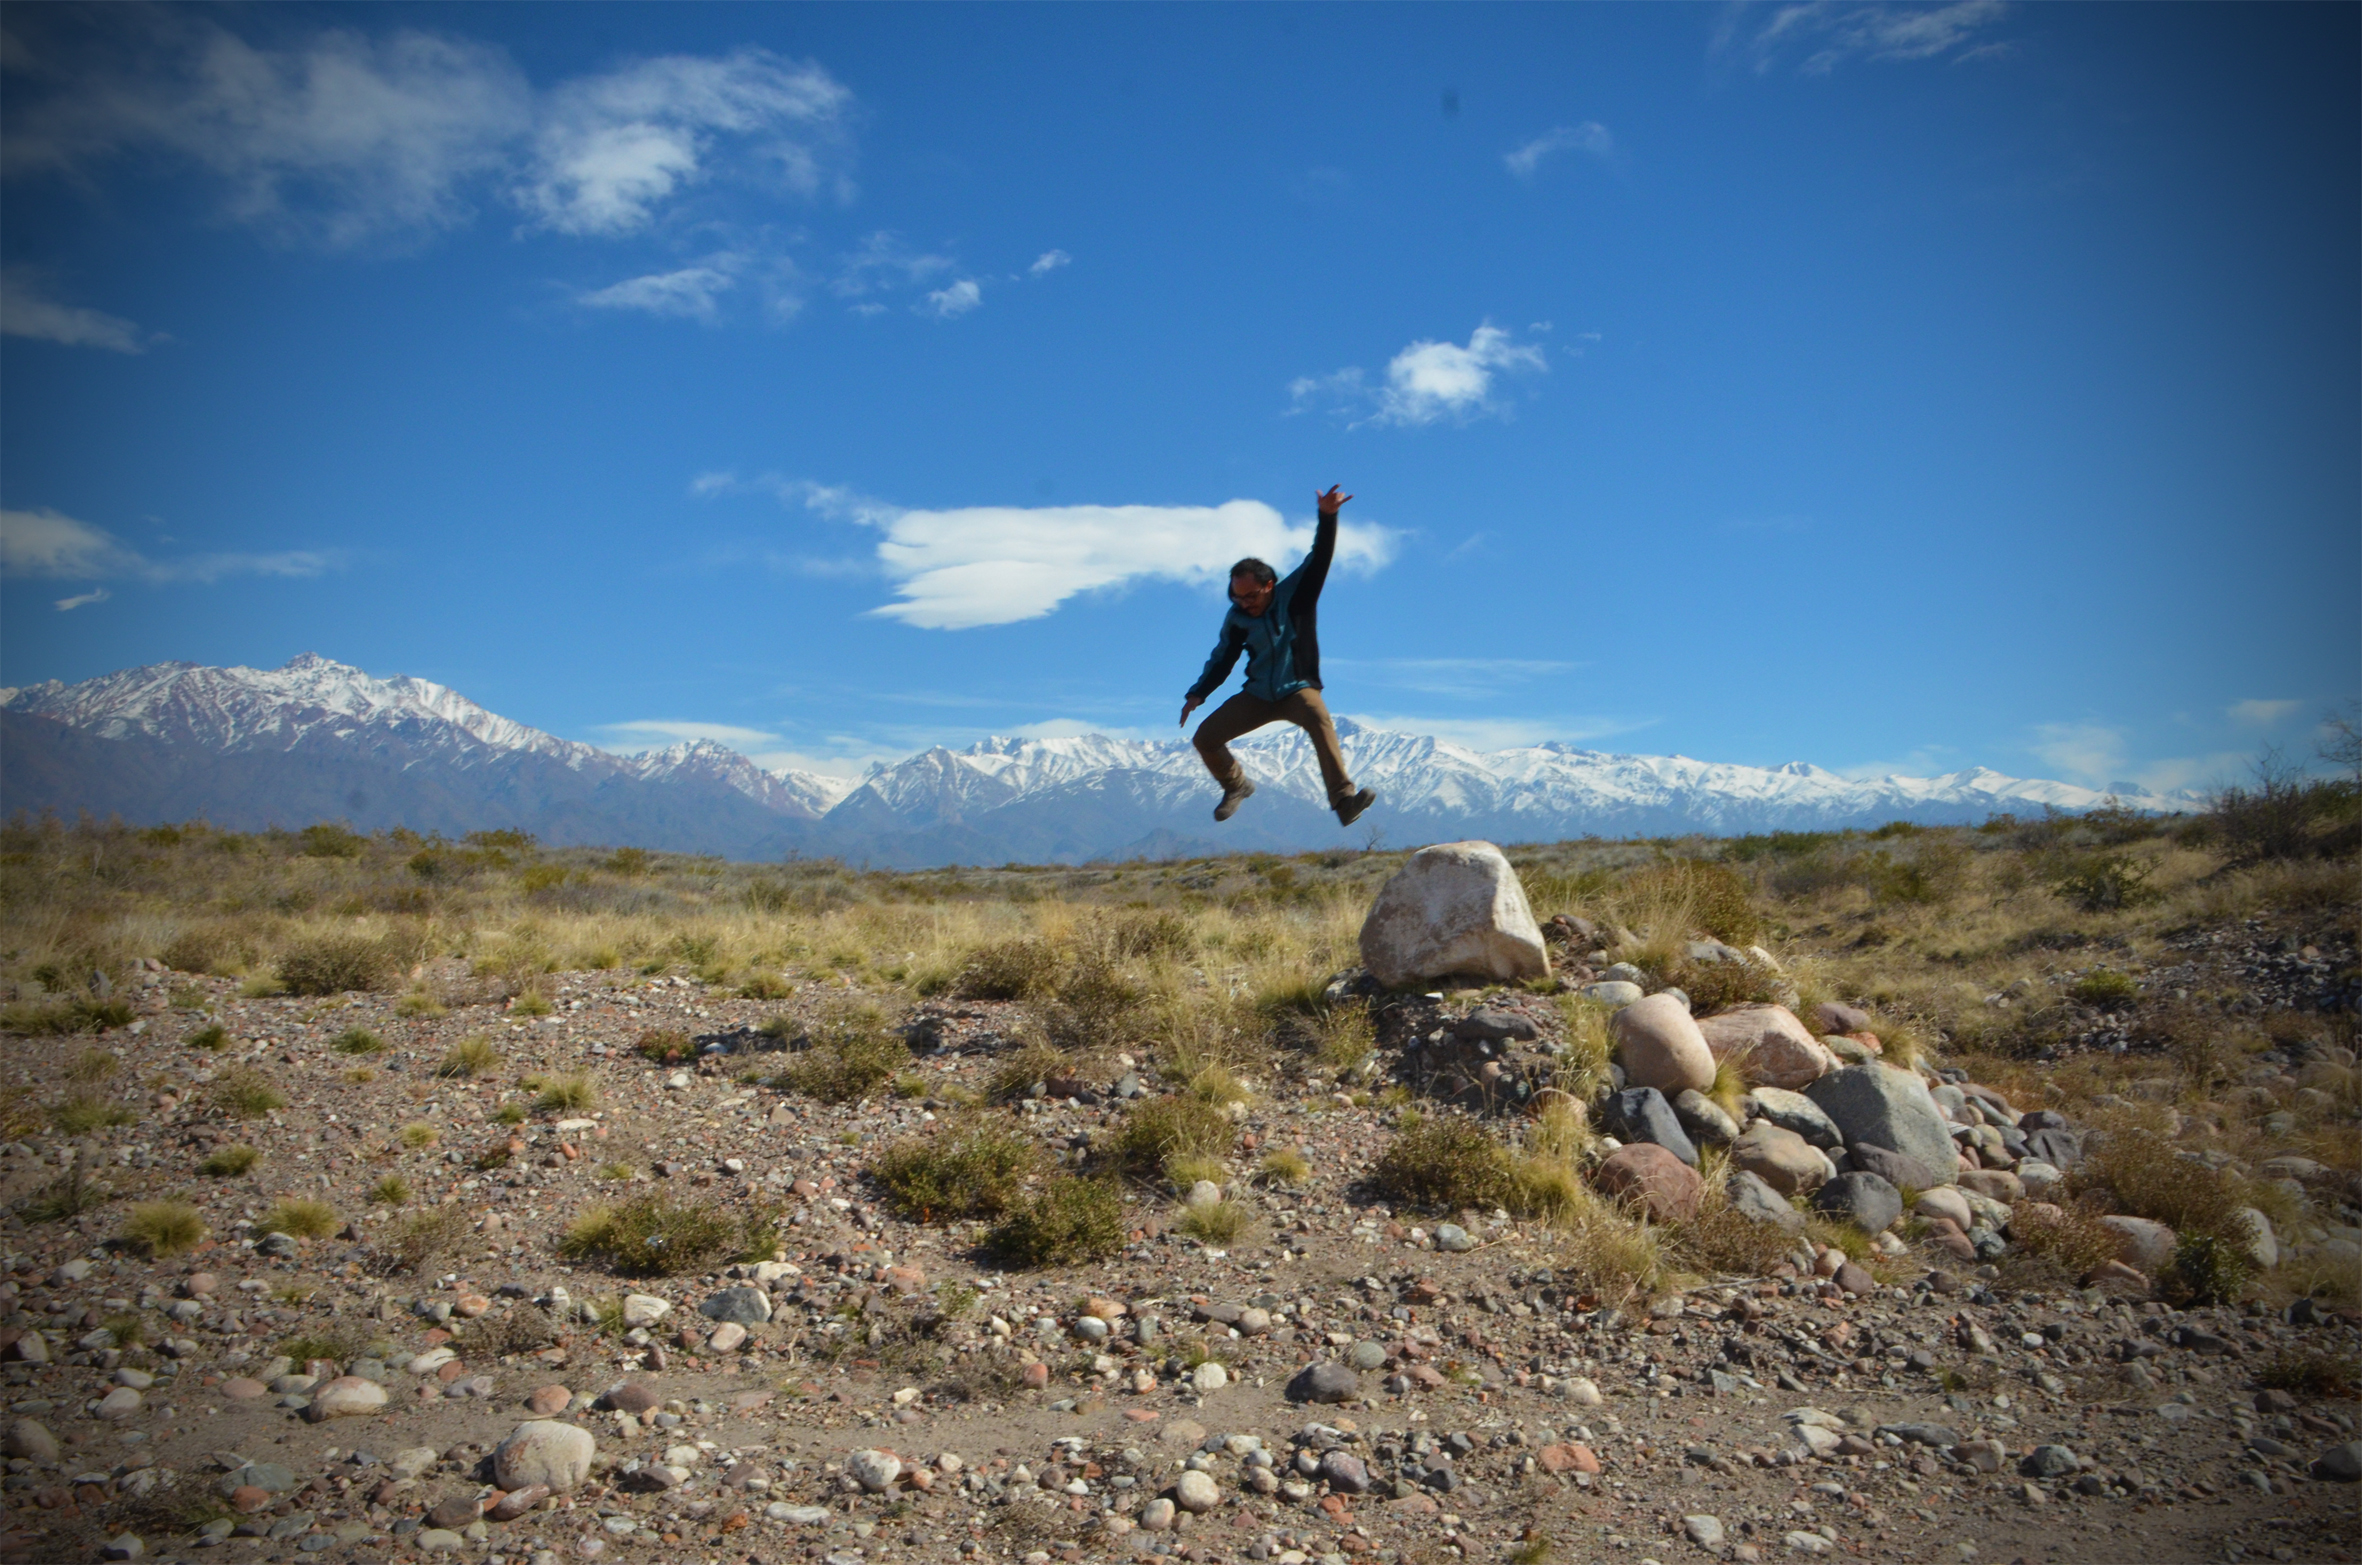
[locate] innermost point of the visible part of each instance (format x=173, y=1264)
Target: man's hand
x=1331, y=502
x=1189, y=704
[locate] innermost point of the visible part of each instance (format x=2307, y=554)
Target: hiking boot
x=1350, y=810
x=1232, y=797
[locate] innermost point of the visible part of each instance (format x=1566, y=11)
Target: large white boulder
x=1772, y=1046
x=1455, y=908
x=543, y=1451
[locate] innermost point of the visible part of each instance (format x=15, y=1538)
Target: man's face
x=1251, y=595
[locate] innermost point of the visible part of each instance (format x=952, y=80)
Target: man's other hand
x=1189, y=704
x=1333, y=501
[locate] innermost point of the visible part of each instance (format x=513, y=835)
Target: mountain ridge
x=252, y=747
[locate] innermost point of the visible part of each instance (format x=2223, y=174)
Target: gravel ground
x=1480, y=1410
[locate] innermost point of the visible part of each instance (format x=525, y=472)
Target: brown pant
x=1243, y=714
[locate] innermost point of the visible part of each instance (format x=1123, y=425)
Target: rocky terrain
x=1914, y=1372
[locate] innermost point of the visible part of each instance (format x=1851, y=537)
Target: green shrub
x=392, y=1190
x=973, y=1170
x=82, y=1113
x=2143, y=1175
x=765, y=986
x=665, y=1046
x=419, y=1135
x=1445, y=1163
x=2099, y=881
x=471, y=1056
x=2111, y=991
x=163, y=1228
x=335, y=964
x=1068, y=1220
x=570, y=1094
x=245, y=1093
x=849, y=1054
x=1214, y=1222
x=1151, y=935
x=229, y=1162
x=2310, y=1372
x=1160, y=1129
x=208, y=1038
x=654, y=1237
x=356, y=1040
x=301, y=1218
x=330, y=841
x=1096, y=1007
x=531, y=1002
x=2206, y=1270
x=55, y=1018
x=1025, y=968
x=1285, y=1166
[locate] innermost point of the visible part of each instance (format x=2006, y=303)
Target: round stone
x=1197, y=1493
x=544, y=1452
x=1209, y=1376
x=874, y=1470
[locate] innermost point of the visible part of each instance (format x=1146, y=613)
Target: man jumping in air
x=1271, y=620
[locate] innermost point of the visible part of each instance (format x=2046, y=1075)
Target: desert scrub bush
x=301, y=1218
x=765, y=986
x=419, y=1135
x=1149, y=935
x=849, y=1053
x=1216, y=1085
x=419, y=1003
x=653, y=1236
x=1214, y=1222
x=665, y=1046
x=531, y=1002
x=1161, y=1129
x=418, y=1242
x=163, y=1228
x=69, y=1195
x=1285, y=1166
x=2144, y=1175
x=392, y=1190
x=2286, y=815
x=1068, y=1220
x=1097, y=1006
x=471, y=1056
x=1670, y=899
x=2069, y=1240
x=244, y=1093
x=2206, y=1270
x=335, y=964
x=576, y=1094
x=2107, y=989
x=1025, y=968
x=210, y=1037
x=1018, y=1074
x=92, y=1066
x=1445, y=1163
x=2099, y=880
x=1717, y=986
x=229, y=1162
x=55, y=1018
x=1340, y=1037
x=2311, y=1372
x=968, y=1170
x=1582, y=1066
x=83, y=1113
x=356, y=1040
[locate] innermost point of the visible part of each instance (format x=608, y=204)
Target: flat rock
x=1780, y=1159
x=546, y=1452
x=1346, y=1473
x=1703, y=1120
x=347, y=1396
x=741, y=1306
x=1653, y=1178
x=547, y=1401
x=1997, y=1184
x=1841, y=1018
x=1888, y=1108
x=31, y=1439
x=1898, y=1170
x=1704, y=1531
x=1660, y=1046
x=1758, y=1202
x=1945, y=1202
x=1794, y=1111
x=1452, y=909
x=1772, y=1048
x=1864, y=1200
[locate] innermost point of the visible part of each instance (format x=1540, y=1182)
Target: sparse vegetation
x=245, y=1093
x=849, y=1053
x=418, y=1135
x=665, y=1046
x=300, y=1218
x=83, y=1113
x=164, y=1228
x=1067, y=1221
x=92, y=1066
x=230, y=1161
x=470, y=1056
x=335, y=964
x=1158, y=1130
x=357, y=1040
x=1443, y=1163
x=392, y=1190
x=209, y=1037
x=972, y=1170
x=653, y=1236
x=1285, y=1166
x=575, y=1094
x=418, y=1242
x=1214, y=1222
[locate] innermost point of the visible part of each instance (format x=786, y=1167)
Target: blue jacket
x=1282, y=643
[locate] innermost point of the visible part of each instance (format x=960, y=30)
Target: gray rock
x=1864, y=1200
x=2060, y=1147
x=1611, y=991
x=745, y=1306
x=269, y=1477
x=1345, y=1472
x=1796, y=1112
x=543, y=1451
x=875, y=1471
x=1758, y=1202
x=1887, y=1108
x=2043, y=1119
x=127, y=1546
x=30, y=1439
x=1941, y=1436
x=1451, y=1236
x=1196, y=1493
x=277, y=1245
x=1324, y=1382
x=1841, y=1018
x=1642, y=1114
x=1704, y=1531
x=2341, y=1463
x=1904, y=1173
x=1367, y=1355
x=2142, y=1243
x=2049, y=1461
x=1490, y=1026
x=1703, y=1119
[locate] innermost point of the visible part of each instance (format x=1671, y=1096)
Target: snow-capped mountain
x=318, y=740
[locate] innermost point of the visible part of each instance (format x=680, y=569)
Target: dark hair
x=1250, y=566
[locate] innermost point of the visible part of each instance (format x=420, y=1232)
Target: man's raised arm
x=1315, y=570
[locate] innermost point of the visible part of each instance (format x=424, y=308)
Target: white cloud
x=609, y=149
x=26, y=310
x=882, y=263
x=1590, y=137
x=343, y=137
x=690, y=293
x=659, y=729
x=950, y=303
x=2261, y=714
x=2084, y=751
x=1834, y=31
x=47, y=544
x=996, y=565
x=1428, y=381
x=1050, y=261
x=94, y=595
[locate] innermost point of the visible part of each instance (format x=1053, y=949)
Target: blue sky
x=1891, y=388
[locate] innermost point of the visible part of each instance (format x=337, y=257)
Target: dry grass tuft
x=655, y=1237
x=164, y=1228
x=970, y=1170
x=229, y=1162
x=1444, y=1163
x=1158, y=1130
x=470, y=1056
x=301, y=1218
x=1069, y=1220
x=245, y=1093
x=849, y=1053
